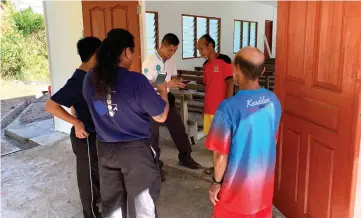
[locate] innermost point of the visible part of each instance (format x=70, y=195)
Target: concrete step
x=13, y=113
x=34, y=127
x=39, y=133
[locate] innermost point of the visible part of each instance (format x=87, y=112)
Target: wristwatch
x=215, y=181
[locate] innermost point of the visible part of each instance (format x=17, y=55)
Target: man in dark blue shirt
x=82, y=135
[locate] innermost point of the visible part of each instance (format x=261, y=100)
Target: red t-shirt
x=215, y=73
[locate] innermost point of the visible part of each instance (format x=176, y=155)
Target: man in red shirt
x=218, y=79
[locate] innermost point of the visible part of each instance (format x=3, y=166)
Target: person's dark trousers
x=129, y=179
x=88, y=196
x=176, y=129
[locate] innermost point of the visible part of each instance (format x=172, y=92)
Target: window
x=245, y=34
x=151, y=22
x=195, y=27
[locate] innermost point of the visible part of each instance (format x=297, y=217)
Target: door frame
x=142, y=31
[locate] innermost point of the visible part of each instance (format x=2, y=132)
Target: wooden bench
x=190, y=99
x=183, y=97
x=267, y=81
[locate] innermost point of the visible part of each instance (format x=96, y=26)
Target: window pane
x=201, y=29
x=237, y=36
x=150, y=32
x=201, y=26
x=188, y=36
x=245, y=33
x=214, y=31
x=253, y=36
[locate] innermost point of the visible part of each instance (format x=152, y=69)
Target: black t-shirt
x=71, y=95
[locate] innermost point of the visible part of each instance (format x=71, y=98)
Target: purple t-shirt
x=126, y=113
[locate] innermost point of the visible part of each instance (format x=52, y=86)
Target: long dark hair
x=108, y=59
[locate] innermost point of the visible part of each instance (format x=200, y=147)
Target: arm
x=220, y=164
x=162, y=90
x=150, y=72
x=230, y=87
x=155, y=105
x=219, y=141
x=58, y=111
x=66, y=96
x=72, y=111
x=228, y=77
x=175, y=81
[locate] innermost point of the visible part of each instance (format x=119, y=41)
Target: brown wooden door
x=268, y=31
x=318, y=82
x=101, y=16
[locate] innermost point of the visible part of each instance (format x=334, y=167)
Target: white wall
x=170, y=20
x=64, y=26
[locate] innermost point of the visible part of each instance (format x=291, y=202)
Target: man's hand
x=80, y=131
x=162, y=88
x=58, y=111
x=175, y=83
x=213, y=193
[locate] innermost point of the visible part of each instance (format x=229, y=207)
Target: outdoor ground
x=41, y=183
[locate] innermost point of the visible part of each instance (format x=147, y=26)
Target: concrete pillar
x=64, y=27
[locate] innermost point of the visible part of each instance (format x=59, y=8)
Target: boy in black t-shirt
x=82, y=134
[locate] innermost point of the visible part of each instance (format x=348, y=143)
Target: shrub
x=12, y=61
x=36, y=57
x=27, y=22
x=24, y=54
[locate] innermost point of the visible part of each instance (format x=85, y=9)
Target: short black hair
x=250, y=70
x=170, y=39
x=116, y=32
x=209, y=40
x=87, y=47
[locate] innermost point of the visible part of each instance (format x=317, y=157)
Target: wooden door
x=101, y=16
x=268, y=31
x=318, y=82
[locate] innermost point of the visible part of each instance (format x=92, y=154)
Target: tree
x=23, y=44
x=27, y=22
